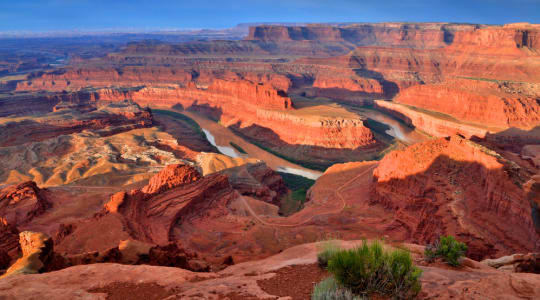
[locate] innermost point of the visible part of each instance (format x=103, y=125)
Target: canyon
x=231, y=160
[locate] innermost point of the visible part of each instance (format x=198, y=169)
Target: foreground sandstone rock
x=518, y=263
x=39, y=256
x=244, y=281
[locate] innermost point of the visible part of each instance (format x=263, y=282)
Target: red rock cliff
x=175, y=194
x=21, y=203
x=488, y=103
x=421, y=35
x=453, y=186
x=244, y=104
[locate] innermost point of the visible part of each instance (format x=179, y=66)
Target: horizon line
x=134, y=30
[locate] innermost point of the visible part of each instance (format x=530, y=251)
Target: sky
x=95, y=15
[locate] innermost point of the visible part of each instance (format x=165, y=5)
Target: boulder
x=37, y=250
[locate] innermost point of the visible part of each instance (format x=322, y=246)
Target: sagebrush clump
x=447, y=248
x=370, y=269
x=329, y=289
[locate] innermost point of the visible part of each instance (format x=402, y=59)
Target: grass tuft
x=327, y=250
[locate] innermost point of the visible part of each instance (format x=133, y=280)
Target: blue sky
x=89, y=15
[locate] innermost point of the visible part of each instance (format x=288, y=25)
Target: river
x=229, y=151
x=221, y=138
x=398, y=129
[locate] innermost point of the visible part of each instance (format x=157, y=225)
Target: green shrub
x=238, y=148
x=447, y=248
x=370, y=269
x=327, y=250
x=329, y=289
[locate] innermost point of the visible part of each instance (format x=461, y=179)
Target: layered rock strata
x=454, y=186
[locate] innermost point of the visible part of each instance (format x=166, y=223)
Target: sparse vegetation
x=185, y=119
x=379, y=128
x=296, y=182
x=396, y=145
x=292, y=202
x=488, y=79
x=371, y=270
x=295, y=199
x=329, y=289
x=238, y=148
x=305, y=164
x=433, y=113
x=484, y=149
x=447, y=248
x=327, y=250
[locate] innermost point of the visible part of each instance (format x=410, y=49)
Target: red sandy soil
x=142, y=291
x=296, y=281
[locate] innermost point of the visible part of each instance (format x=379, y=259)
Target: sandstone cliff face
x=170, y=71
x=76, y=78
x=19, y=205
x=249, y=176
x=258, y=181
x=174, y=195
x=39, y=256
x=9, y=244
x=335, y=132
x=453, y=186
x=218, y=92
x=39, y=103
x=37, y=251
x=505, y=40
x=131, y=252
x=338, y=84
x=426, y=35
x=485, y=103
x=170, y=177
x=334, y=81
x=506, y=53
x=263, y=50
x=252, y=99
x=432, y=125
x=244, y=105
